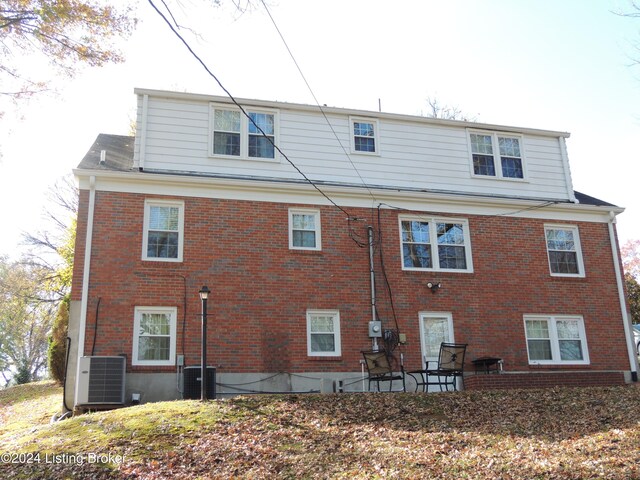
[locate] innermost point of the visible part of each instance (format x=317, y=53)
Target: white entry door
x=435, y=328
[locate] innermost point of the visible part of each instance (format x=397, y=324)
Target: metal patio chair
x=380, y=370
x=445, y=372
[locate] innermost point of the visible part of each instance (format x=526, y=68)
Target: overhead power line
x=317, y=102
x=235, y=102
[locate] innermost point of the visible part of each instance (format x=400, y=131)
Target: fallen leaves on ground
x=577, y=433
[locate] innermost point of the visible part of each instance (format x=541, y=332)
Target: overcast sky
x=557, y=65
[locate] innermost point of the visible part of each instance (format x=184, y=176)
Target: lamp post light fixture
x=204, y=296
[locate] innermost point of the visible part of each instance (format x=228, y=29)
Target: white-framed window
x=556, y=339
x=304, y=229
x=364, y=135
x=154, y=336
x=435, y=244
x=323, y=333
x=563, y=250
x=498, y=155
x=233, y=135
x=163, y=230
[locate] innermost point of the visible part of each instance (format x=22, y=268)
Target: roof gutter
x=85, y=278
x=626, y=321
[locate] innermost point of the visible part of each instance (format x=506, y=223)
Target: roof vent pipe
x=103, y=157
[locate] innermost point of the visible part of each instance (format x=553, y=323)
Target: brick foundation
x=543, y=380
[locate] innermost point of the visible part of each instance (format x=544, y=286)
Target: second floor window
x=304, y=229
x=435, y=244
x=163, y=229
x=563, y=249
x=235, y=135
x=496, y=155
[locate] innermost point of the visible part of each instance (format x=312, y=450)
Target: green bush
x=57, y=350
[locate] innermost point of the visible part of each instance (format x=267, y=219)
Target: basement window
x=557, y=339
x=323, y=333
x=154, y=336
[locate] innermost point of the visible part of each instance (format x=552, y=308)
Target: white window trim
x=145, y=228
x=497, y=164
x=376, y=135
x=553, y=337
x=318, y=230
x=433, y=238
x=173, y=312
x=244, y=132
x=576, y=238
x=336, y=332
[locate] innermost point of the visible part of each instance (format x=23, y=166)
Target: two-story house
x=307, y=224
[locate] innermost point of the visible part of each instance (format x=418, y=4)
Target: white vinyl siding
x=323, y=333
x=435, y=244
x=304, y=229
x=412, y=152
x=563, y=251
x=163, y=231
x=154, y=336
x=555, y=340
x=234, y=135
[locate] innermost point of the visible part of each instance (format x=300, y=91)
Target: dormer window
x=235, y=135
x=364, y=135
x=496, y=155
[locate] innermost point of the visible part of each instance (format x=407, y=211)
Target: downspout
x=633, y=359
x=373, y=284
x=85, y=277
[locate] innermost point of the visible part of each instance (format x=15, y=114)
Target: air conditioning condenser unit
x=101, y=380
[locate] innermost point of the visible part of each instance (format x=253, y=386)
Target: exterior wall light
x=434, y=286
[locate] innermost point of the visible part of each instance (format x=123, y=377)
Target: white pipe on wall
x=85, y=277
x=626, y=322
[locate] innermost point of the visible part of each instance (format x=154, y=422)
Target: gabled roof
x=589, y=200
x=118, y=153
x=119, y=157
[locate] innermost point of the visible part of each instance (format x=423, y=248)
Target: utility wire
x=232, y=98
x=317, y=102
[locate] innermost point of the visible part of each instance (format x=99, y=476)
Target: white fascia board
x=159, y=184
x=348, y=112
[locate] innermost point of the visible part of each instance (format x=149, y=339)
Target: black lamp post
x=204, y=296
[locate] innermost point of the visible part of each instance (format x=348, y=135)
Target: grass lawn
x=576, y=433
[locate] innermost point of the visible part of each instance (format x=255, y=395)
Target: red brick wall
x=543, y=380
x=261, y=289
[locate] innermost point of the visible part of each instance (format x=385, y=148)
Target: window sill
x=559, y=366
x=245, y=159
x=325, y=359
x=505, y=179
x=303, y=251
x=434, y=270
x=564, y=275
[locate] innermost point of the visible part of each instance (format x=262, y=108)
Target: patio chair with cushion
x=379, y=368
x=446, y=371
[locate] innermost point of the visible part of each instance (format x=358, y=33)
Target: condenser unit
x=101, y=380
x=193, y=382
